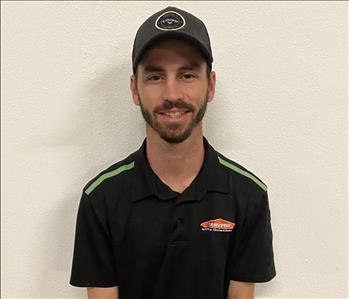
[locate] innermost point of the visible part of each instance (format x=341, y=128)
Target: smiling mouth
x=174, y=114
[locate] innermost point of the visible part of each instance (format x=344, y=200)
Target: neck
x=176, y=164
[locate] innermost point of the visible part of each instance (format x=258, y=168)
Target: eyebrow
x=190, y=66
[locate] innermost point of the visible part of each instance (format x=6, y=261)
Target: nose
x=172, y=89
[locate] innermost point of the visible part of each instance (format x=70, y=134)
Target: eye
x=188, y=76
x=154, y=78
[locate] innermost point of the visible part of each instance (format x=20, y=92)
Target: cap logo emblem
x=170, y=20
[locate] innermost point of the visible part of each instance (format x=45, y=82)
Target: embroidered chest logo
x=217, y=225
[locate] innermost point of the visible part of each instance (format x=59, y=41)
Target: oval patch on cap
x=170, y=20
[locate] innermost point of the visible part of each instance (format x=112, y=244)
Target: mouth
x=174, y=114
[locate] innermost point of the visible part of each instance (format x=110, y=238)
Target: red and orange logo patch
x=217, y=225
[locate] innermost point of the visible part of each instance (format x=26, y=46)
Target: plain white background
x=280, y=110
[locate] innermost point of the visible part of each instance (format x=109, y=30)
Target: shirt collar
x=215, y=173
x=212, y=177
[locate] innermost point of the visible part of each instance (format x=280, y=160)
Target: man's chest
x=179, y=243
x=151, y=225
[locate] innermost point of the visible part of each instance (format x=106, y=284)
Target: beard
x=174, y=133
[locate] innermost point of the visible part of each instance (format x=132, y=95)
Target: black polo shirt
x=134, y=232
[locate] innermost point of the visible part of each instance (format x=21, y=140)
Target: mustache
x=168, y=105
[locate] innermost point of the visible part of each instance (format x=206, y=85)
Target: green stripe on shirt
x=108, y=175
x=242, y=172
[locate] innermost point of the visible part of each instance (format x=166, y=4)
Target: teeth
x=174, y=114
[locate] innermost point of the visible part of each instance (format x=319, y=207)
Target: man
x=175, y=219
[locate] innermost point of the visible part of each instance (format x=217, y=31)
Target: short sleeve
x=93, y=263
x=252, y=259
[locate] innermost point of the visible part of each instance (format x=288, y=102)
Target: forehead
x=172, y=51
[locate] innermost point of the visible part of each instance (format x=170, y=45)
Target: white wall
x=280, y=110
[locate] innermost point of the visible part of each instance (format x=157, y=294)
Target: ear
x=211, y=90
x=134, y=90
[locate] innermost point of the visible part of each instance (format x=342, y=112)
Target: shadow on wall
x=112, y=116
x=97, y=134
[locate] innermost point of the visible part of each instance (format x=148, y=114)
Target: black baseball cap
x=169, y=23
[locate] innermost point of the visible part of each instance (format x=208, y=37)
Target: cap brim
x=172, y=35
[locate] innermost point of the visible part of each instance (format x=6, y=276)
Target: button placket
x=178, y=224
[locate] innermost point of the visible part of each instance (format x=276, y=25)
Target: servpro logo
x=217, y=225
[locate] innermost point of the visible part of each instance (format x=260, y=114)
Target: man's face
x=172, y=88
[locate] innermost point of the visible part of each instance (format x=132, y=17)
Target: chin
x=175, y=139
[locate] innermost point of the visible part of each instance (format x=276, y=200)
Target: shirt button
x=178, y=223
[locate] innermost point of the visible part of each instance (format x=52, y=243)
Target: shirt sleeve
x=93, y=262
x=252, y=259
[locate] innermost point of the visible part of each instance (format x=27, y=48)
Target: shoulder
x=248, y=189
x=240, y=174
x=116, y=171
